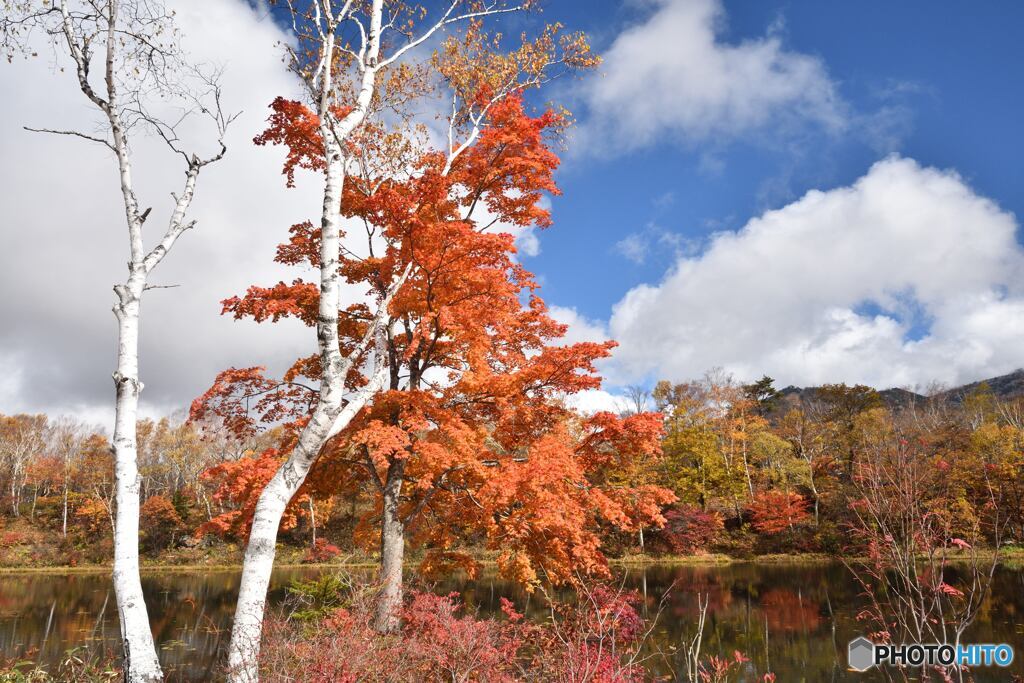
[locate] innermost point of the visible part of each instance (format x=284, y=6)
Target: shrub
x=436, y=642
x=318, y=598
x=322, y=551
x=99, y=551
x=12, y=538
x=773, y=512
x=160, y=522
x=689, y=529
x=92, y=519
x=596, y=639
x=331, y=638
x=830, y=539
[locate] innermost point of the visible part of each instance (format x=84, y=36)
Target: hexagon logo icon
x=861, y=654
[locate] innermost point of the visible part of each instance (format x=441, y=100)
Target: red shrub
x=613, y=611
x=322, y=551
x=773, y=512
x=688, y=529
x=594, y=640
x=435, y=643
x=12, y=538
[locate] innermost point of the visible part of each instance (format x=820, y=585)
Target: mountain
x=1007, y=386
x=1004, y=386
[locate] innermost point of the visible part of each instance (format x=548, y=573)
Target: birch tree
x=342, y=51
x=128, y=65
x=66, y=438
x=21, y=439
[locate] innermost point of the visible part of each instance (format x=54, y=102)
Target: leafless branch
x=75, y=133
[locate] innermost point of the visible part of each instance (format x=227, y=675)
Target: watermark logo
x=862, y=654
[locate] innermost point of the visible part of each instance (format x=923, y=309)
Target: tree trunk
x=746, y=467
x=64, y=515
x=814, y=492
x=15, y=498
x=312, y=523
x=243, y=652
x=392, y=552
x=141, y=664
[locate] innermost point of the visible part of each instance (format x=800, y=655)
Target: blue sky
x=823, y=192
x=952, y=70
x=938, y=83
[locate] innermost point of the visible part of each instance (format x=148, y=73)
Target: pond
x=794, y=620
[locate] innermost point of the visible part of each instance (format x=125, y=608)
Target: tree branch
x=75, y=133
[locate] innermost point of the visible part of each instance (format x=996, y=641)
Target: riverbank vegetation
x=754, y=477
x=919, y=500
x=826, y=474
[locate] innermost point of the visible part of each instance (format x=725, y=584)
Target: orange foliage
x=93, y=517
x=159, y=521
x=773, y=512
x=239, y=484
x=473, y=421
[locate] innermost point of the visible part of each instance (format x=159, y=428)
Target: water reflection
x=793, y=620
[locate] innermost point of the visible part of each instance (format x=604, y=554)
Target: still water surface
x=794, y=620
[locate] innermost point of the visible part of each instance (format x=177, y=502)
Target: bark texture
x=392, y=553
x=140, y=658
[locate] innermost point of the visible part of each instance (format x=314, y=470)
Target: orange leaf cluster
x=473, y=421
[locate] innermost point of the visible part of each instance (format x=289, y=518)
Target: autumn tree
x=173, y=456
x=807, y=439
x=354, y=61
x=693, y=465
x=66, y=440
x=160, y=521
x=468, y=437
x=22, y=437
x=773, y=512
x=840, y=406
x=910, y=521
x=142, y=71
x=97, y=486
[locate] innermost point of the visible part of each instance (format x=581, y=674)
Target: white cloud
x=597, y=400
x=653, y=238
x=904, y=277
x=581, y=328
x=527, y=241
x=673, y=74
x=63, y=241
x=633, y=247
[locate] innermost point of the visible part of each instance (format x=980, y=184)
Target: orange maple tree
x=472, y=439
x=773, y=512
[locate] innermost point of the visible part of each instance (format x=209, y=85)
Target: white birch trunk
x=140, y=658
x=243, y=652
x=130, y=46
x=64, y=514
x=15, y=498
x=329, y=417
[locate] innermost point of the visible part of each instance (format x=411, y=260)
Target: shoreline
x=709, y=560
